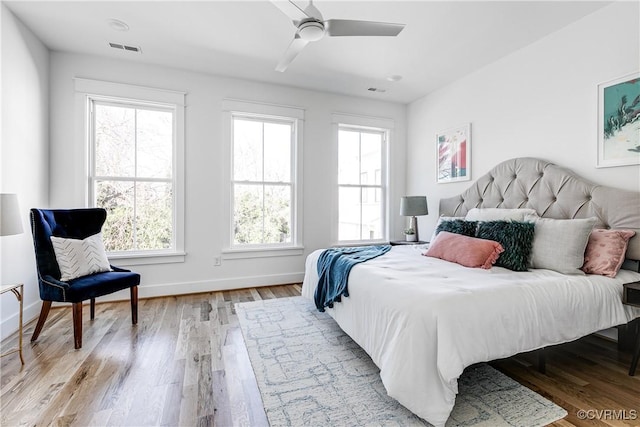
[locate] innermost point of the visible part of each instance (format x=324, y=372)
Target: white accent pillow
x=440, y=219
x=559, y=244
x=498, y=214
x=77, y=258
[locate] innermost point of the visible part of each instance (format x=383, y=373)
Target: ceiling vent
x=125, y=47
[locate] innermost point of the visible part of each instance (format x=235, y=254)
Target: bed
x=423, y=320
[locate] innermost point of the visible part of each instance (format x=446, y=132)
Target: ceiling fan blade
x=347, y=27
x=293, y=50
x=313, y=11
x=291, y=9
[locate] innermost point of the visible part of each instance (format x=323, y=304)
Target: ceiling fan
x=311, y=26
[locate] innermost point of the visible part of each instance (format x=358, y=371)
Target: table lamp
x=414, y=206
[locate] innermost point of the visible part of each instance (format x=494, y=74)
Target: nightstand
x=406, y=242
x=631, y=296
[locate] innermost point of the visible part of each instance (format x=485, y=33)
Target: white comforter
x=423, y=320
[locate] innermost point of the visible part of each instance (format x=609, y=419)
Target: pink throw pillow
x=464, y=250
x=605, y=251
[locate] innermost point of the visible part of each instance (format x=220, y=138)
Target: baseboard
x=182, y=288
x=10, y=324
x=31, y=312
x=610, y=334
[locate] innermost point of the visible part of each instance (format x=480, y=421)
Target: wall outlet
x=217, y=261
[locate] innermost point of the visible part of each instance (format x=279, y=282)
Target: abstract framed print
x=453, y=154
x=619, y=122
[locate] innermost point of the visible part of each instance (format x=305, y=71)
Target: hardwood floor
x=185, y=364
x=589, y=378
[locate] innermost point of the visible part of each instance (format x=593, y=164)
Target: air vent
x=125, y=47
x=375, y=89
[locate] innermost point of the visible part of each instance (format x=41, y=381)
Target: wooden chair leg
x=44, y=312
x=93, y=308
x=77, y=324
x=134, y=305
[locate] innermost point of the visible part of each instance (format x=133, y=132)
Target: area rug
x=310, y=372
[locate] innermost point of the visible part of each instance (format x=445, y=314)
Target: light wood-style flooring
x=185, y=364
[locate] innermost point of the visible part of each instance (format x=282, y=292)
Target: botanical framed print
x=619, y=122
x=453, y=154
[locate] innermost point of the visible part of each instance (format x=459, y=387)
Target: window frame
x=264, y=113
x=90, y=91
x=371, y=124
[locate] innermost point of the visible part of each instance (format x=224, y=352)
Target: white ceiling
x=442, y=40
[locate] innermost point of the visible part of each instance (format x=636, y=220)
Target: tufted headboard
x=554, y=192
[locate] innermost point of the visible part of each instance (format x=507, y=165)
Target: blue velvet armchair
x=74, y=224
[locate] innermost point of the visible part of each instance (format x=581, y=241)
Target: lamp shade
x=413, y=206
x=10, y=222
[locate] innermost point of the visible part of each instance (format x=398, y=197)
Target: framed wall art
x=619, y=122
x=453, y=154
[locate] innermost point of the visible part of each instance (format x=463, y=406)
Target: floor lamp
x=11, y=224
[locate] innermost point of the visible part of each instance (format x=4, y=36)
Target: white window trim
x=365, y=123
x=248, y=108
x=85, y=91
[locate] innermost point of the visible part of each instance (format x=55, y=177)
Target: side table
x=18, y=291
x=406, y=242
x=631, y=296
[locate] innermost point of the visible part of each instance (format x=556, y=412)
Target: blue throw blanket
x=334, y=266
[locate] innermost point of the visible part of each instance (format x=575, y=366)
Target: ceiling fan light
x=311, y=31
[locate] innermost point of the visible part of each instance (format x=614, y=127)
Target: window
x=262, y=180
x=135, y=152
x=263, y=174
x=361, y=200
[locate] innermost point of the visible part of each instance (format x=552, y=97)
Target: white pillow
x=498, y=214
x=77, y=258
x=559, y=244
x=440, y=219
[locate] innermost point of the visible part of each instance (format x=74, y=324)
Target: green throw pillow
x=515, y=237
x=458, y=226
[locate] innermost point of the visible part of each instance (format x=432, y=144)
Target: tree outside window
x=263, y=193
x=132, y=174
x=361, y=207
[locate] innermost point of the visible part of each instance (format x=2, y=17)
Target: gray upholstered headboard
x=554, y=192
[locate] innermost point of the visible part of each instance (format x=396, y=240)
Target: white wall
x=540, y=101
x=23, y=156
x=205, y=230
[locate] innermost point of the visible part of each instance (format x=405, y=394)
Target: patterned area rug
x=311, y=373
